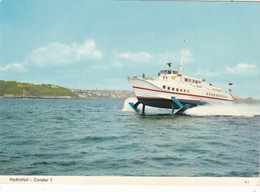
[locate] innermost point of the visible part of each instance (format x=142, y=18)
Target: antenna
x=170, y=65
x=182, y=58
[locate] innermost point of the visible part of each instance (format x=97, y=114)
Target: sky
x=98, y=44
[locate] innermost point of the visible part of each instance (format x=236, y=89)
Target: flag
x=230, y=84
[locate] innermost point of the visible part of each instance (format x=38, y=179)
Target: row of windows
x=188, y=91
x=185, y=79
x=216, y=95
x=192, y=81
x=167, y=72
x=176, y=89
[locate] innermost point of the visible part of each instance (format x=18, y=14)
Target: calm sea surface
x=104, y=137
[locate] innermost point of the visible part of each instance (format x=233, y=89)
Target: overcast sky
x=98, y=44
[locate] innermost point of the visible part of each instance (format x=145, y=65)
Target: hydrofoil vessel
x=172, y=90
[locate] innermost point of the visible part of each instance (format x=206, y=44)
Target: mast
x=182, y=58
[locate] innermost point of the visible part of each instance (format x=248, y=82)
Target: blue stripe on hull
x=165, y=103
x=193, y=102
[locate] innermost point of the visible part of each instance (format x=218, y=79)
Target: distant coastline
x=248, y=100
x=13, y=89
x=82, y=94
x=106, y=94
x=36, y=97
x=103, y=94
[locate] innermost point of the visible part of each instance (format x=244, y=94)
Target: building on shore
x=103, y=94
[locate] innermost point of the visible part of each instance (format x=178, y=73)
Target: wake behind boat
x=173, y=90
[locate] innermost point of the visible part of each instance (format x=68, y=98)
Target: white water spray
x=237, y=110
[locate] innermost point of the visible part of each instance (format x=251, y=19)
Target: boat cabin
x=165, y=72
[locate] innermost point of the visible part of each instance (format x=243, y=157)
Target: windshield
x=168, y=72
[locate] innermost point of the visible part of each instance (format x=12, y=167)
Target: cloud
x=174, y=57
x=60, y=54
x=52, y=54
x=242, y=68
x=119, y=60
x=188, y=56
x=145, y=57
x=132, y=59
x=57, y=54
x=14, y=66
x=206, y=73
x=115, y=64
x=136, y=57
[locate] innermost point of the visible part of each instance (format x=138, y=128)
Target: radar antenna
x=182, y=58
x=170, y=65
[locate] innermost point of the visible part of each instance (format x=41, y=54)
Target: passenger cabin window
x=168, y=72
x=164, y=87
x=177, y=89
x=173, y=89
x=169, y=88
x=163, y=71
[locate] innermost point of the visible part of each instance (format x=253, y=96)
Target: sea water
x=106, y=137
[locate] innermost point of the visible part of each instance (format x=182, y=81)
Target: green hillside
x=13, y=88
